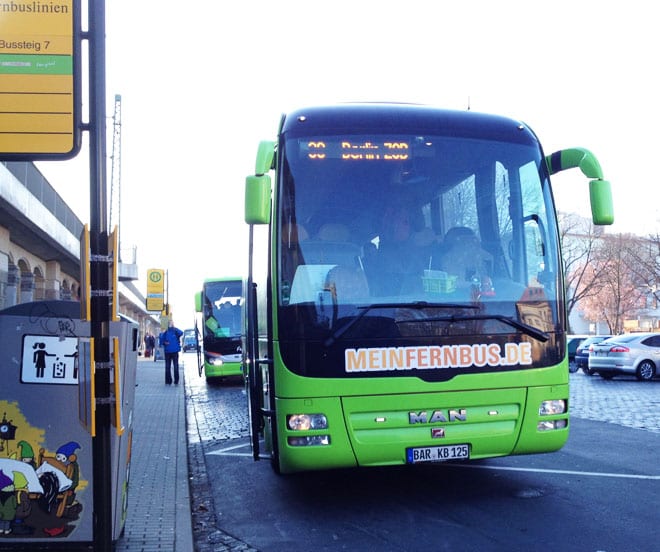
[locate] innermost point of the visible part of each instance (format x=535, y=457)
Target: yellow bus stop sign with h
x=155, y=289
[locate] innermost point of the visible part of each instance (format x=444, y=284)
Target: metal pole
x=100, y=280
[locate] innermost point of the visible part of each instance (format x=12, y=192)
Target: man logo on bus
x=435, y=416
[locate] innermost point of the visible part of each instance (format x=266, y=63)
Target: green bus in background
x=220, y=304
x=405, y=296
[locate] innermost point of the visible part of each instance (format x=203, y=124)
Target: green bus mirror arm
x=600, y=192
x=574, y=157
x=265, y=157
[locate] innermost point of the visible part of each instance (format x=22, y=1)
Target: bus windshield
x=222, y=309
x=221, y=304
x=411, y=237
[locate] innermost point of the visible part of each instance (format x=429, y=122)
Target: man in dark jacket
x=169, y=341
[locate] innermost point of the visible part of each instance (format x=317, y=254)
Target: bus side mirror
x=257, y=199
x=602, y=209
x=257, y=188
x=198, y=301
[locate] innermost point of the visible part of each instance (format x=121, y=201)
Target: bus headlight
x=552, y=407
x=213, y=359
x=310, y=441
x=304, y=422
x=548, y=425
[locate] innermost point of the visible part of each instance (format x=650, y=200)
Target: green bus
x=220, y=304
x=405, y=298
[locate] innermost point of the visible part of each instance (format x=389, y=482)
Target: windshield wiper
x=364, y=309
x=525, y=328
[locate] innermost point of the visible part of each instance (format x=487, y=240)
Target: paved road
x=623, y=401
x=214, y=417
x=218, y=424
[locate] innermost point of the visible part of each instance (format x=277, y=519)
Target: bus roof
x=365, y=117
x=224, y=279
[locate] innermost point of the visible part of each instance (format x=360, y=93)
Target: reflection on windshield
x=459, y=223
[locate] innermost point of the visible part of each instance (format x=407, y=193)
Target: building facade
x=40, y=247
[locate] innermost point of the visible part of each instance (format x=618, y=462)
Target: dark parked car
x=582, y=352
x=189, y=343
x=573, y=342
x=635, y=354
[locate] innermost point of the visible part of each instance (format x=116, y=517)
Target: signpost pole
x=101, y=287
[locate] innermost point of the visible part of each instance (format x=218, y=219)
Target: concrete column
x=52, y=283
x=52, y=290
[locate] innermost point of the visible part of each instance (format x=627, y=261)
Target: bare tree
x=620, y=293
x=580, y=241
x=646, y=265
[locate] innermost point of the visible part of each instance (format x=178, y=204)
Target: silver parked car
x=637, y=354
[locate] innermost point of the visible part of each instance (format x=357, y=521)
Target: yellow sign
x=155, y=289
x=39, y=51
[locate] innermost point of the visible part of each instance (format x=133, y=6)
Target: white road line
x=562, y=472
x=228, y=452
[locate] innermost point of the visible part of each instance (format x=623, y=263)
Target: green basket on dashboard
x=437, y=281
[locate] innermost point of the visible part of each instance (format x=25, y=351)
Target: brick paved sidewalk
x=158, y=517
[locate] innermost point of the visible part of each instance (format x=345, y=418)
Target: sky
x=203, y=81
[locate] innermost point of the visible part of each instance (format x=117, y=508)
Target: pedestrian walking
x=169, y=341
x=149, y=345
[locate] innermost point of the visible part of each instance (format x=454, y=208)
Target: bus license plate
x=437, y=454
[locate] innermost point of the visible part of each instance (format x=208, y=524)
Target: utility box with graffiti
x=46, y=463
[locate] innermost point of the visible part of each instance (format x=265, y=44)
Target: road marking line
x=562, y=472
x=227, y=452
